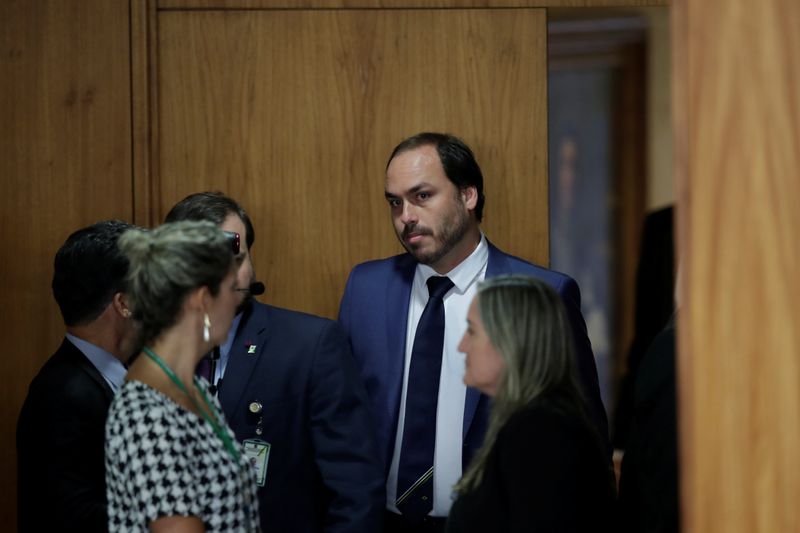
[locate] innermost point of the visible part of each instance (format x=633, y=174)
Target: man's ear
x=121, y=304
x=469, y=195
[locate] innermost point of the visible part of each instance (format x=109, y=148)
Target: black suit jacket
x=547, y=472
x=60, y=446
x=648, y=486
x=323, y=472
x=655, y=302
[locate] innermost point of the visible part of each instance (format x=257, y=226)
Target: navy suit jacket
x=61, y=483
x=374, y=313
x=323, y=473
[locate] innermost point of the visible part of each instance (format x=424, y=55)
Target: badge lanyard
x=215, y=425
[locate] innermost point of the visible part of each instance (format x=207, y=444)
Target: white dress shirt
x=452, y=391
x=111, y=368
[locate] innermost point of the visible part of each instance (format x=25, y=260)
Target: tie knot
x=438, y=286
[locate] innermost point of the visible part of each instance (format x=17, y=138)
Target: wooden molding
x=398, y=4
x=144, y=105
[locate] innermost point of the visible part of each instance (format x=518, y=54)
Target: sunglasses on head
x=235, y=241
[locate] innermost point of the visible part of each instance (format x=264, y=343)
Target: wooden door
x=65, y=162
x=294, y=113
x=737, y=148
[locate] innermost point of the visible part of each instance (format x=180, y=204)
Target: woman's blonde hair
x=167, y=263
x=527, y=325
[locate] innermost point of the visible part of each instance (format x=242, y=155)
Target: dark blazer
x=323, y=472
x=547, y=472
x=374, y=313
x=648, y=485
x=655, y=302
x=60, y=446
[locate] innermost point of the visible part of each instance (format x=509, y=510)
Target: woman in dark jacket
x=542, y=466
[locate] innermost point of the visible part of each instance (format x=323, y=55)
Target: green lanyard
x=215, y=425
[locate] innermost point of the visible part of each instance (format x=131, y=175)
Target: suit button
x=255, y=407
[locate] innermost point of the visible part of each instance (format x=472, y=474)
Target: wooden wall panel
x=394, y=4
x=64, y=163
x=294, y=113
x=144, y=106
x=737, y=75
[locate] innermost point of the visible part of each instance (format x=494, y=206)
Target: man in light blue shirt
x=61, y=428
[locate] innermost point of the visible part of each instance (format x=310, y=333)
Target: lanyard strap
x=215, y=425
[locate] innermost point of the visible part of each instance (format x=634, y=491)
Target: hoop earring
x=206, y=327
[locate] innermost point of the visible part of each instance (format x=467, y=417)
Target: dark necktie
x=415, y=472
x=204, y=369
x=207, y=368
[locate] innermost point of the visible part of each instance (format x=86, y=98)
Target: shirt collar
x=467, y=271
x=111, y=368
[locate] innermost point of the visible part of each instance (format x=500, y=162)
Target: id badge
x=257, y=453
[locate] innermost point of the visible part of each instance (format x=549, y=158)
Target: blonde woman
x=172, y=462
x=542, y=466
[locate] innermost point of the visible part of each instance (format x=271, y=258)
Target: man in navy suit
x=291, y=393
x=434, y=188
x=61, y=430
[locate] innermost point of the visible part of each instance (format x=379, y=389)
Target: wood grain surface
x=65, y=163
x=398, y=4
x=294, y=113
x=737, y=91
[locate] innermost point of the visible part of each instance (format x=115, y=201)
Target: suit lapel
x=470, y=406
x=496, y=265
x=86, y=366
x=398, y=295
x=247, y=349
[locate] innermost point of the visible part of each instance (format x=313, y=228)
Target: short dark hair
x=214, y=207
x=88, y=270
x=457, y=160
